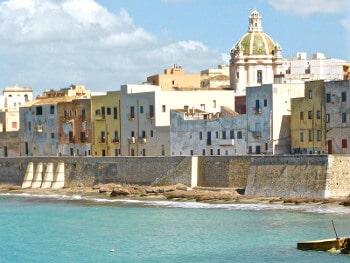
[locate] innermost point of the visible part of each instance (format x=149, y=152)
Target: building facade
x=308, y=120
x=197, y=132
x=268, y=117
x=175, y=78
x=105, y=114
x=145, y=115
x=255, y=58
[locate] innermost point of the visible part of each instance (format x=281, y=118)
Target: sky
x=103, y=44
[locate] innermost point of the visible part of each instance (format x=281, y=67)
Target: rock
x=119, y=192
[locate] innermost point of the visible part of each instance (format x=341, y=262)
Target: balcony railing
x=131, y=116
x=100, y=117
x=132, y=140
x=101, y=140
x=142, y=139
x=115, y=140
x=151, y=115
x=257, y=110
x=257, y=134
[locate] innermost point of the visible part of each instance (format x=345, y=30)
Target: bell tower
x=255, y=22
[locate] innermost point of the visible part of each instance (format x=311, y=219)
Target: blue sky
x=102, y=44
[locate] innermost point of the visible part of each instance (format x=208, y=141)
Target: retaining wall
x=294, y=176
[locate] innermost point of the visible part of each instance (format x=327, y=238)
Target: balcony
x=101, y=140
x=142, y=140
x=100, y=117
x=150, y=115
x=131, y=116
x=227, y=142
x=115, y=140
x=257, y=110
x=256, y=134
x=39, y=128
x=132, y=140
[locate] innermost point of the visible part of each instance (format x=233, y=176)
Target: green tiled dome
x=256, y=43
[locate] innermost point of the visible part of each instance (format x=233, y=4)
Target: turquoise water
x=64, y=229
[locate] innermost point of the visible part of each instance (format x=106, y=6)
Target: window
x=344, y=143
x=343, y=117
x=115, y=113
x=39, y=110
x=116, y=136
x=223, y=135
x=328, y=118
x=343, y=96
x=52, y=135
x=259, y=76
x=52, y=109
x=237, y=75
x=109, y=111
x=203, y=107
x=151, y=132
x=265, y=102
x=301, y=136
x=214, y=104
x=328, y=97
x=82, y=136
x=200, y=135
x=83, y=115
x=14, y=125
x=103, y=111
x=29, y=126
x=97, y=112
x=203, y=151
x=141, y=109
x=217, y=135
x=309, y=114
x=318, y=114
x=218, y=151
x=310, y=135
x=310, y=94
x=266, y=146
x=163, y=108
x=132, y=134
x=239, y=135
x=301, y=115
x=132, y=112
x=232, y=134
x=318, y=135
x=144, y=134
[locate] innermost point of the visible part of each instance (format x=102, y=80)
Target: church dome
x=255, y=42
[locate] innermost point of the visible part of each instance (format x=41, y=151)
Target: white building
x=201, y=133
x=255, y=58
x=268, y=117
x=145, y=115
x=302, y=68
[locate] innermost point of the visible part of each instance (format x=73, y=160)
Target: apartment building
x=145, y=115
x=105, y=115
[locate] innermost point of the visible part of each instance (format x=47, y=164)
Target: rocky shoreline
x=173, y=192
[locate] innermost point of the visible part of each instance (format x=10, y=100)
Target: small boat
x=323, y=245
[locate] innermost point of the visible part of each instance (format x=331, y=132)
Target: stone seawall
x=293, y=176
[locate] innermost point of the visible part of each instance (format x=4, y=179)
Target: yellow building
x=308, y=134
x=175, y=78
x=105, y=115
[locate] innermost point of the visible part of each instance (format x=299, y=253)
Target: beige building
x=308, y=133
x=174, y=79
x=216, y=78
x=10, y=101
x=105, y=114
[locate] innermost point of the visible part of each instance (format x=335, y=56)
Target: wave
x=307, y=208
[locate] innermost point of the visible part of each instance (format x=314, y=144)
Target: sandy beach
x=172, y=192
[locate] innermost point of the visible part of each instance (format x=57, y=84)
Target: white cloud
x=305, y=8
x=51, y=43
x=346, y=24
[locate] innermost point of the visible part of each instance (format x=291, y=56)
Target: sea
x=58, y=228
